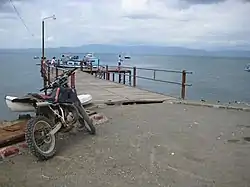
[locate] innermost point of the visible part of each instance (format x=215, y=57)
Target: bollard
x=183, y=84
x=134, y=76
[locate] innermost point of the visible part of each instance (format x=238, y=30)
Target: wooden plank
x=12, y=134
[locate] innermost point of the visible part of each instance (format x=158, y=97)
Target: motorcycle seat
x=41, y=96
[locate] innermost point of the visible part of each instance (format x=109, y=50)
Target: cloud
x=188, y=23
x=6, y=6
x=7, y=16
x=50, y=39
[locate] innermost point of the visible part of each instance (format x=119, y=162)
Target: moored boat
x=127, y=57
x=73, y=61
x=247, y=68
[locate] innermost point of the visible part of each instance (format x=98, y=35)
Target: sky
x=187, y=23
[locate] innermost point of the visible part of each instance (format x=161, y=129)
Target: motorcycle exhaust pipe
x=42, y=104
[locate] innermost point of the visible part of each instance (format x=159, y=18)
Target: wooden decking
x=104, y=91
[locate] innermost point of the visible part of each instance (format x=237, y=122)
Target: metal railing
x=132, y=74
x=47, y=72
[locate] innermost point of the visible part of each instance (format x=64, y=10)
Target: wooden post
x=48, y=66
x=44, y=76
x=119, y=72
x=134, y=76
x=183, y=84
x=81, y=64
x=120, y=76
x=41, y=67
x=107, y=72
x=129, y=78
x=124, y=77
x=73, y=80
x=52, y=69
x=104, y=74
x=56, y=72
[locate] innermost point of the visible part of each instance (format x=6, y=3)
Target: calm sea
x=213, y=79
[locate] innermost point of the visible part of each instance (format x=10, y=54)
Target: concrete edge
x=167, y=100
x=228, y=107
x=137, y=101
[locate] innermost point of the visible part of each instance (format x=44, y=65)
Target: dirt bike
x=56, y=112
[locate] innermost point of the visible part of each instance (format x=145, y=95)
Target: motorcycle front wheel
x=88, y=125
x=40, y=144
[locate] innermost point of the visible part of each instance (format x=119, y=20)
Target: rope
x=20, y=17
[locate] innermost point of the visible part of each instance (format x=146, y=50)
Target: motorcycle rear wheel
x=30, y=137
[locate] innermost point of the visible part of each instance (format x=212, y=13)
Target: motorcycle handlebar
x=68, y=73
x=45, y=88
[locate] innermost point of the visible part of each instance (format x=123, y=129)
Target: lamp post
x=49, y=17
x=43, y=50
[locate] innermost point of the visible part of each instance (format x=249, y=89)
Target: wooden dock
x=120, y=74
x=110, y=70
x=108, y=92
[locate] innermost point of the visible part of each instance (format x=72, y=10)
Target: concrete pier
x=152, y=145
x=104, y=91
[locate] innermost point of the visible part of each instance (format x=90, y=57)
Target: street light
x=42, y=62
x=49, y=17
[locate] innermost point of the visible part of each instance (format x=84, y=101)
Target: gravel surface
x=146, y=145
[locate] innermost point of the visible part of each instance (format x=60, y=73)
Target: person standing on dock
x=83, y=63
x=119, y=62
x=53, y=62
x=119, y=66
x=44, y=69
x=64, y=59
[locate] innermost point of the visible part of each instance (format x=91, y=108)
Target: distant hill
x=136, y=49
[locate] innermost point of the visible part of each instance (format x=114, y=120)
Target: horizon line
x=224, y=48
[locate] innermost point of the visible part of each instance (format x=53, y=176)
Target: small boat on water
x=15, y=106
x=127, y=57
x=36, y=57
x=247, y=68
